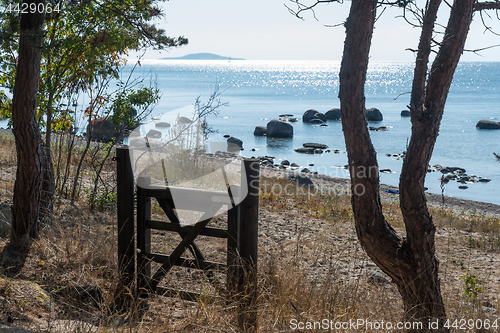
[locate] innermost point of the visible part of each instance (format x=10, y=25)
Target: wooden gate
x=134, y=242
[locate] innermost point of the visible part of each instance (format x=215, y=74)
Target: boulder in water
x=184, y=120
x=260, y=131
x=313, y=117
x=234, y=144
x=154, y=134
x=279, y=129
x=333, y=114
x=487, y=124
x=373, y=114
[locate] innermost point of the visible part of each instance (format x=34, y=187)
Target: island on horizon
x=202, y=56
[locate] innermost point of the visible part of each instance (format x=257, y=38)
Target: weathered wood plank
x=184, y=228
x=186, y=197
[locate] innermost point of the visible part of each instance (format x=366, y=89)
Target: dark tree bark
x=410, y=262
x=421, y=290
x=30, y=153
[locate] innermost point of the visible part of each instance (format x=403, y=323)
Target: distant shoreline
x=202, y=56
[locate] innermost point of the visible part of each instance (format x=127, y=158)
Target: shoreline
x=343, y=186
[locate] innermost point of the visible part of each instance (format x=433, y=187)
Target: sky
x=266, y=30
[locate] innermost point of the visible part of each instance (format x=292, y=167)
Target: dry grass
x=311, y=268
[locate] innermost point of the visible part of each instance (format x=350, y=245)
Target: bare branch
x=335, y=25
x=302, y=8
x=446, y=2
x=487, y=28
x=380, y=15
x=435, y=42
x=401, y=94
x=482, y=49
x=486, y=5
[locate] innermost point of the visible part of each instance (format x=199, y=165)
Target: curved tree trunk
x=30, y=153
x=410, y=262
x=421, y=290
x=376, y=236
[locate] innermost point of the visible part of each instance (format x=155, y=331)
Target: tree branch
x=424, y=50
x=486, y=5
x=302, y=8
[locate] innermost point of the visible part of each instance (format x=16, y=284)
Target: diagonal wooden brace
x=183, y=245
x=169, y=211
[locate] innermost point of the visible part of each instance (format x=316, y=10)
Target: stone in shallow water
x=162, y=124
x=313, y=116
x=333, y=114
x=184, y=120
x=260, y=131
x=318, y=151
x=373, y=114
x=487, y=124
x=314, y=145
x=305, y=150
x=154, y=134
x=279, y=129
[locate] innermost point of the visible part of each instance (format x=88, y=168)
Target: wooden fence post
x=125, y=212
x=233, y=216
x=143, y=238
x=248, y=241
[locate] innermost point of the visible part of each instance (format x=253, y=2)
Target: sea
x=259, y=91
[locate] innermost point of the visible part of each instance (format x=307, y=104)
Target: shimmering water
x=258, y=91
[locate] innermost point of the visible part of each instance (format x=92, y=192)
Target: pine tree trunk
x=421, y=288
x=410, y=262
x=30, y=153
